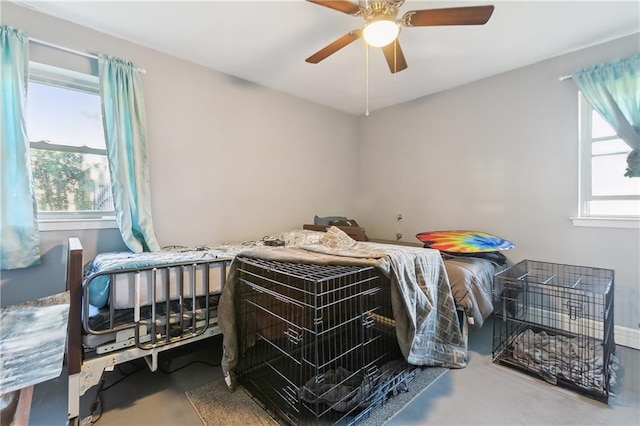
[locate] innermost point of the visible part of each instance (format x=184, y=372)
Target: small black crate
x=556, y=321
x=317, y=343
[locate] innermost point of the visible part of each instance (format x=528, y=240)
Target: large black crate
x=556, y=321
x=317, y=343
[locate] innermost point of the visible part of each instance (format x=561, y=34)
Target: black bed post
x=74, y=338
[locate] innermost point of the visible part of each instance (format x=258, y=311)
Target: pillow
x=99, y=291
x=326, y=221
x=464, y=241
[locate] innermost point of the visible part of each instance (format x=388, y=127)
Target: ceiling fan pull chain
x=395, y=56
x=366, y=76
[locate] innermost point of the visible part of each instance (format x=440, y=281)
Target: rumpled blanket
x=427, y=325
x=578, y=359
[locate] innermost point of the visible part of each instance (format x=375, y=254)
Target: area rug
x=217, y=406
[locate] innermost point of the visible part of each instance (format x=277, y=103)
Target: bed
x=121, y=324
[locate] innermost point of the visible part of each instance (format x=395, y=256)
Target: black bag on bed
x=493, y=256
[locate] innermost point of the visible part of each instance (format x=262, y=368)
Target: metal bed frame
x=144, y=337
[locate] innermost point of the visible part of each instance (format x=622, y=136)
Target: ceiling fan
x=381, y=26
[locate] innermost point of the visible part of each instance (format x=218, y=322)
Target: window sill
x=46, y=225
x=606, y=222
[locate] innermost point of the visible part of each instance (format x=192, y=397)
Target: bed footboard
x=74, y=286
x=74, y=328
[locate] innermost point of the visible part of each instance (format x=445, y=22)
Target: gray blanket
x=579, y=359
x=427, y=325
x=342, y=390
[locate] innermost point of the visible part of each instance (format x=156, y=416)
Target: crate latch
x=575, y=309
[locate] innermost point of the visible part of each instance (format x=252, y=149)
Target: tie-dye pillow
x=462, y=241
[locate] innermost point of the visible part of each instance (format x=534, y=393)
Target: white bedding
x=125, y=284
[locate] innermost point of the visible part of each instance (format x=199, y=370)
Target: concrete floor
x=481, y=393
x=484, y=393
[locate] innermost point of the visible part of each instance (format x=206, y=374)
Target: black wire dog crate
x=556, y=321
x=317, y=343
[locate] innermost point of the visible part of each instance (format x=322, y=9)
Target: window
x=604, y=190
x=68, y=152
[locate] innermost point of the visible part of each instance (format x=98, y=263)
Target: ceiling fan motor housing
x=377, y=10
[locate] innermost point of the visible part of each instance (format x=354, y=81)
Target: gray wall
x=20, y=285
x=498, y=155
x=228, y=160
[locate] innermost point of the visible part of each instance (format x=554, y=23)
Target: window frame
x=585, y=195
x=69, y=220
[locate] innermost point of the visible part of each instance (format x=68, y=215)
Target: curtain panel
x=613, y=89
x=125, y=135
x=19, y=236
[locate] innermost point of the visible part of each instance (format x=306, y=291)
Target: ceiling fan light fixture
x=381, y=32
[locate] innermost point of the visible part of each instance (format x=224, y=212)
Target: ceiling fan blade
x=394, y=56
x=340, y=6
x=471, y=15
x=334, y=47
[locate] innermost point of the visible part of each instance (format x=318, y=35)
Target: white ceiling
x=266, y=42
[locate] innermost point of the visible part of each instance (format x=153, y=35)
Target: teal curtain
x=613, y=89
x=19, y=237
x=125, y=134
